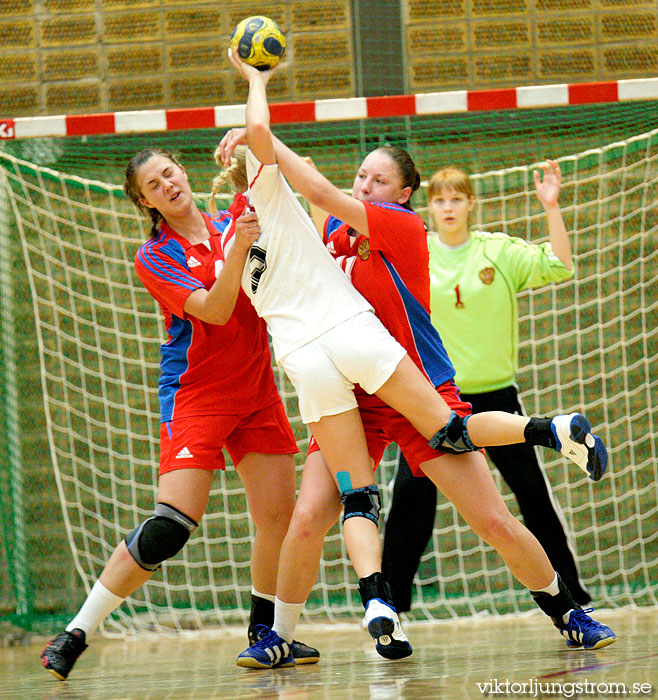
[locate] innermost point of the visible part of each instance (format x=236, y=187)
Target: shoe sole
x=596, y=454
x=600, y=460
x=246, y=662
x=602, y=643
x=381, y=629
x=599, y=645
x=59, y=676
x=250, y=662
x=393, y=652
x=580, y=430
x=306, y=660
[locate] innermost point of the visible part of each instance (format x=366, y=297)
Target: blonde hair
x=236, y=172
x=449, y=178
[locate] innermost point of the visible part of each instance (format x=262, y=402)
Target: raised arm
x=304, y=178
x=548, y=192
x=257, y=113
x=319, y=192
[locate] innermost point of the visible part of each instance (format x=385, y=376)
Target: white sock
x=99, y=604
x=286, y=617
x=553, y=587
x=566, y=616
x=265, y=596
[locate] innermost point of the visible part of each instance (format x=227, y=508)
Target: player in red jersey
x=382, y=245
x=216, y=391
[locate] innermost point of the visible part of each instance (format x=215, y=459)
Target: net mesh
x=588, y=345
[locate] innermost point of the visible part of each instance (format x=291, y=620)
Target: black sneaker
x=62, y=652
x=302, y=653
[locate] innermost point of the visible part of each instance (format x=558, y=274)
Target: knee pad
x=453, y=437
x=160, y=537
x=361, y=503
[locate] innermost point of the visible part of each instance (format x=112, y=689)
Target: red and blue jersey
x=205, y=369
x=390, y=268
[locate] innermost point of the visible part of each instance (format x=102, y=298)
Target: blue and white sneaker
x=384, y=627
x=269, y=651
x=584, y=632
x=302, y=653
x=575, y=441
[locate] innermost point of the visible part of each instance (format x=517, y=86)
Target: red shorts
x=196, y=442
x=383, y=425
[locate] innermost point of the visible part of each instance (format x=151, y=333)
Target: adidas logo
x=192, y=262
x=184, y=454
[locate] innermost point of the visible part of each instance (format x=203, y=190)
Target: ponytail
x=236, y=172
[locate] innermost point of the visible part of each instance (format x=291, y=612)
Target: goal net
x=589, y=345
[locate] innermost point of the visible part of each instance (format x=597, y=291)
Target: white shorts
x=324, y=371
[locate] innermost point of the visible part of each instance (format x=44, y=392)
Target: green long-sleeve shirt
x=474, y=307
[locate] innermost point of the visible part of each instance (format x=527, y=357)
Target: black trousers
x=412, y=510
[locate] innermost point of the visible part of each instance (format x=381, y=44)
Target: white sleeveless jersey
x=290, y=277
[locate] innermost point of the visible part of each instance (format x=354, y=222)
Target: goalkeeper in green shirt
x=474, y=279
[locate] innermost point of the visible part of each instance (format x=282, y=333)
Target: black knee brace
x=453, y=437
x=363, y=502
x=160, y=537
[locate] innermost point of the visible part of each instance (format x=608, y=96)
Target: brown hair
x=236, y=172
x=132, y=191
x=449, y=178
x=406, y=168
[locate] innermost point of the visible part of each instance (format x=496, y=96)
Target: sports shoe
x=62, y=652
x=583, y=631
x=269, y=651
x=302, y=653
x=385, y=628
x=575, y=441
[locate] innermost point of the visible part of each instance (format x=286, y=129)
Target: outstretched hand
x=548, y=185
x=246, y=71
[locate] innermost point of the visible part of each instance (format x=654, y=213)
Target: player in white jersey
x=298, y=288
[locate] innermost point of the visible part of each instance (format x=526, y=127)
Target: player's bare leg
x=317, y=509
x=409, y=393
x=185, y=490
x=343, y=445
x=467, y=482
x=270, y=509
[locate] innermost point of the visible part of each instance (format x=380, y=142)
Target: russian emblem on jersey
x=487, y=275
x=363, y=249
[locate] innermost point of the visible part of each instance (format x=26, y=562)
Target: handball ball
x=260, y=42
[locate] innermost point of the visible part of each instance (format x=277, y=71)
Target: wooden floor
x=451, y=660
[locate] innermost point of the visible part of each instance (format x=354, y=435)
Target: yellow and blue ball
x=260, y=42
